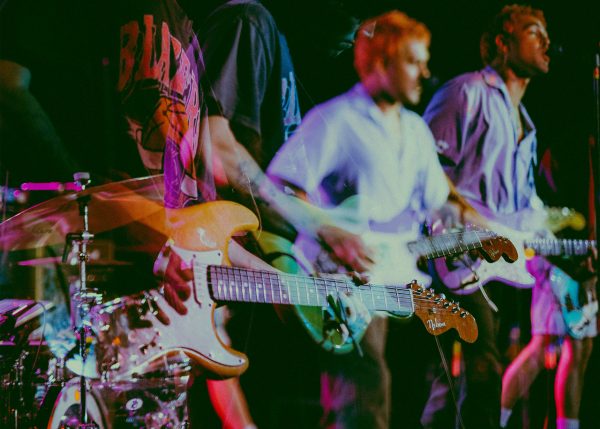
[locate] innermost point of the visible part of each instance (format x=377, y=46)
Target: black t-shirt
x=249, y=75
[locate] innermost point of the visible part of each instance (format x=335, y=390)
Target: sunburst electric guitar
x=200, y=235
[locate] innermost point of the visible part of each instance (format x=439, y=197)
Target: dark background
x=76, y=92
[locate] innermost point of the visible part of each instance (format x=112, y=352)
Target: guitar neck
x=438, y=246
x=552, y=247
x=243, y=285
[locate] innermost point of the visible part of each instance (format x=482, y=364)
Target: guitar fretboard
x=449, y=244
x=243, y=285
x=552, y=247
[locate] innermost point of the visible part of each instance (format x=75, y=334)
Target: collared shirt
x=475, y=129
x=374, y=173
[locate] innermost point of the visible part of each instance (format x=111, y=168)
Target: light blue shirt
x=382, y=175
x=475, y=129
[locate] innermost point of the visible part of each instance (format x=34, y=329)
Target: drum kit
x=84, y=382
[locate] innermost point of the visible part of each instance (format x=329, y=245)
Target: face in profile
x=527, y=47
x=406, y=71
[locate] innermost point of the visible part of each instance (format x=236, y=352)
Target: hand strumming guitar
x=175, y=276
x=346, y=248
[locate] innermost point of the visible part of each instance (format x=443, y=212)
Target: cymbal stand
x=85, y=297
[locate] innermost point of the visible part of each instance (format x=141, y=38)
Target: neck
x=516, y=85
x=379, y=95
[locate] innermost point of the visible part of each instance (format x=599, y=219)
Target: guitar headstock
x=497, y=246
x=440, y=315
x=558, y=218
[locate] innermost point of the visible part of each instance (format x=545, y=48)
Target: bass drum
x=122, y=333
x=150, y=403
x=143, y=403
x=61, y=408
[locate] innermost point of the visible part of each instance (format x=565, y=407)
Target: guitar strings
x=274, y=286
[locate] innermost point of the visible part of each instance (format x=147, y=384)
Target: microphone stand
x=596, y=90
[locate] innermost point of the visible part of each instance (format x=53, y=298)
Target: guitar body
x=463, y=276
x=279, y=252
x=129, y=345
x=466, y=274
x=577, y=316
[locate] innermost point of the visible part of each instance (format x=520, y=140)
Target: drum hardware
x=102, y=208
x=113, y=205
x=14, y=400
x=85, y=297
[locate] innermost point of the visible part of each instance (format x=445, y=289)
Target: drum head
x=150, y=403
x=66, y=412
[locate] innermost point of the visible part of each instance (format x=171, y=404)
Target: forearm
x=243, y=173
x=464, y=212
x=240, y=257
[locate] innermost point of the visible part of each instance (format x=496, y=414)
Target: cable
x=450, y=383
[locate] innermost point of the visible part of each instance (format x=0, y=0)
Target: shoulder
x=246, y=11
x=417, y=126
x=332, y=111
x=465, y=84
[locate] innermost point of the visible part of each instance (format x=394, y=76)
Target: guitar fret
x=264, y=287
x=227, y=291
x=297, y=292
x=238, y=284
x=252, y=287
x=567, y=247
x=285, y=299
x=447, y=244
x=271, y=291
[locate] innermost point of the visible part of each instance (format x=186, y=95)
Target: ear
x=379, y=65
x=501, y=43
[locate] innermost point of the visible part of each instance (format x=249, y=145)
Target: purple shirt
x=474, y=125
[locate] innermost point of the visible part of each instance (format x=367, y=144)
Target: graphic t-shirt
x=159, y=74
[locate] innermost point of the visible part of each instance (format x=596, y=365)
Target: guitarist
x=371, y=163
x=249, y=85
x=487, y=145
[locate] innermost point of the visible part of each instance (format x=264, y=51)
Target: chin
x=414, y=100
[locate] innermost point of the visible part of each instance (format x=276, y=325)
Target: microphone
x=556, y=50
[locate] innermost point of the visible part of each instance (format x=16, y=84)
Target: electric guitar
x=395, y=258
x=200, y=235
x=577, y=313
x=465, y=274
x=559, y=218
x=395, y=255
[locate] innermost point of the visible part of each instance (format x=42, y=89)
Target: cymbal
x=110, y=206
